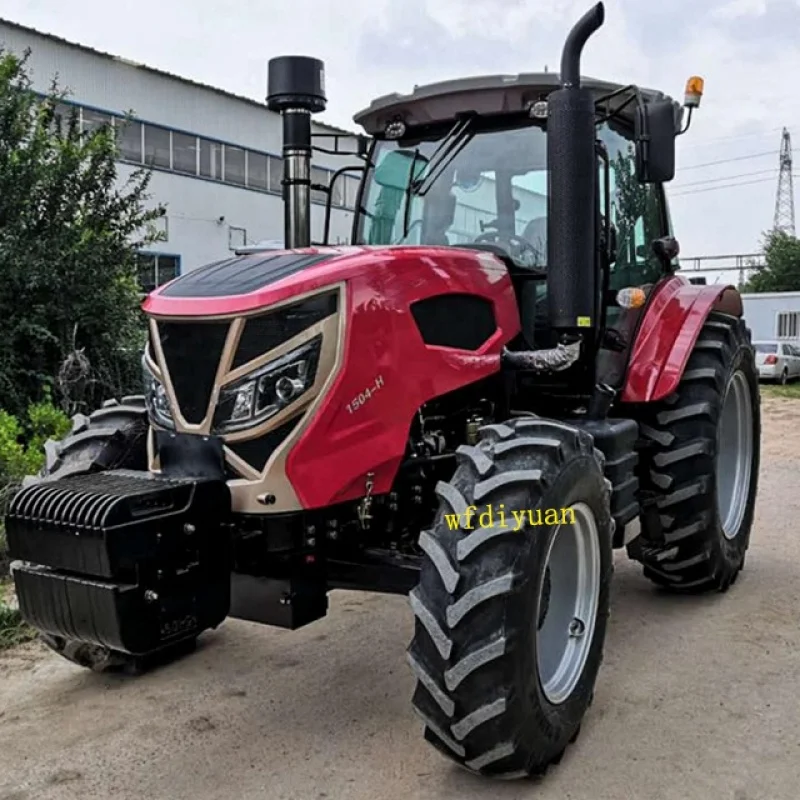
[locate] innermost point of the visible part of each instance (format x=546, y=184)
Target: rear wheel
x=702, y=465
x=112, y=437
x=510, y=617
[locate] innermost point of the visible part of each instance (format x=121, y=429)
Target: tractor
x=502, y=379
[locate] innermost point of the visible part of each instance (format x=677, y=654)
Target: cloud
x=736, y=9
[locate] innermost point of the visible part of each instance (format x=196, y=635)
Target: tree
x=781, y=272
x=68, y=242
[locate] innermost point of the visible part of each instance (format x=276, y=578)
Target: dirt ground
x=698, y=699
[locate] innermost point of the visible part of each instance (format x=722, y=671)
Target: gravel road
x=698, y=698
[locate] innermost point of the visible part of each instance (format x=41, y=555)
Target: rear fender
x=669, y=329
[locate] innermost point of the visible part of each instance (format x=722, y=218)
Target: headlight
x=269, y=389
x=156, y=400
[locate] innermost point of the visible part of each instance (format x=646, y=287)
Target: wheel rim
x=734, y=455
x=566, y=626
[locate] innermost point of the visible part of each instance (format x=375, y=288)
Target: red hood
x=248, y=282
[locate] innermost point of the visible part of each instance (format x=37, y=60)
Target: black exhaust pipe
x=296, y=89
x=572, y=167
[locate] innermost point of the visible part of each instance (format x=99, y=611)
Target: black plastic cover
x=296, y=82
x=123, y=559
x=572, y=171
x=240, y=275
x=461, y=321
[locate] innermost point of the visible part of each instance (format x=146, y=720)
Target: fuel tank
x=311, y=364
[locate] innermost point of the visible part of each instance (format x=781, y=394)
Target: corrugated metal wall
x=204, y=218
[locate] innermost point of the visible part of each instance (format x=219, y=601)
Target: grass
x=791, y=391
x=13, y=630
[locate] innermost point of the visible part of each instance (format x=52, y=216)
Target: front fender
x=669, y=329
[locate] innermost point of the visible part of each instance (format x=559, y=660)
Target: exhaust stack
x=572, y=167
x=296, y=89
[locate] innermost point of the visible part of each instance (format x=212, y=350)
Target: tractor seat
x=535, y=234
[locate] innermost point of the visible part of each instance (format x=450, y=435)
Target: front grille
x=263, y=333
x=192, y=352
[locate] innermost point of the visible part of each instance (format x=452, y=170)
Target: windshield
x=492, y=191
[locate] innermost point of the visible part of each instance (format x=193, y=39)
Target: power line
x=730, y=160
x=730, y=138
x=726, y=186
x=726, y=178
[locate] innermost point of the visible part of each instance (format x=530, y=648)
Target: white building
x=215, y=156
x=773, y=316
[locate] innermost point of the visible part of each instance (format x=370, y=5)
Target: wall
x=761, y=310
x=194, y=205
x=194, y=208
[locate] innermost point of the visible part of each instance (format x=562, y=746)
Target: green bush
x=22, y=451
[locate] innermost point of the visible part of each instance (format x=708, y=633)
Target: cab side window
x=636, y=213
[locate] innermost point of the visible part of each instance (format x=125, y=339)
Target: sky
x=747, y=51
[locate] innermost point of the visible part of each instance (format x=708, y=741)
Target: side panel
x=388, y=371
x=668, y=332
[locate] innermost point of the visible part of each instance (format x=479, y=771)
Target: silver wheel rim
x=566, y=614
x=734, y=455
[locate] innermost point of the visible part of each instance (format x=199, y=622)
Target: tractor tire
x=509, y=630
x=112, y=437
x=702, y=467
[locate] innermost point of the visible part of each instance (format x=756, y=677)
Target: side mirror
x=655, y=131
x=666, y=250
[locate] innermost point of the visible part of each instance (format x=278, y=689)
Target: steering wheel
x=520, y=250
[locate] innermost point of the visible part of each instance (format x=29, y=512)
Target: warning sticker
x=584, y=322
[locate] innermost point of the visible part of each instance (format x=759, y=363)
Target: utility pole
x=784, y=197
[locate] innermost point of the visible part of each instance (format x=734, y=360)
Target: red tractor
x=504, y=378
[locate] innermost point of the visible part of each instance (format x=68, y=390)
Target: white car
x=777, y=361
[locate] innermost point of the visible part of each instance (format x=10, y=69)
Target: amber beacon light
x=694, y=92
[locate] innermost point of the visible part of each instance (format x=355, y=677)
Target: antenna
x=784, y=197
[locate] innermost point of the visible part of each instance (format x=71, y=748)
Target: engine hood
x=248, y=282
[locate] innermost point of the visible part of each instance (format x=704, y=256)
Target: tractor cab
x=465, y=163
x=472, y=163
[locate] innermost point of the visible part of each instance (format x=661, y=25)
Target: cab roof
x=487, y=95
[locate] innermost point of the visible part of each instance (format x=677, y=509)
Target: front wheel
x=513, y=599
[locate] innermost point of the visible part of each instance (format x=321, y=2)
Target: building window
x=351, y=192
x=161, y=147
x=788, y=324
x=62, y=114
x=156, y=269
x=257, y=170
x=234, y=165
x=210, y=159
x=157, y=147
x=93, y=120
x=275, y=175
x=322, y=177
x=129, y=139
x=184, y=153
